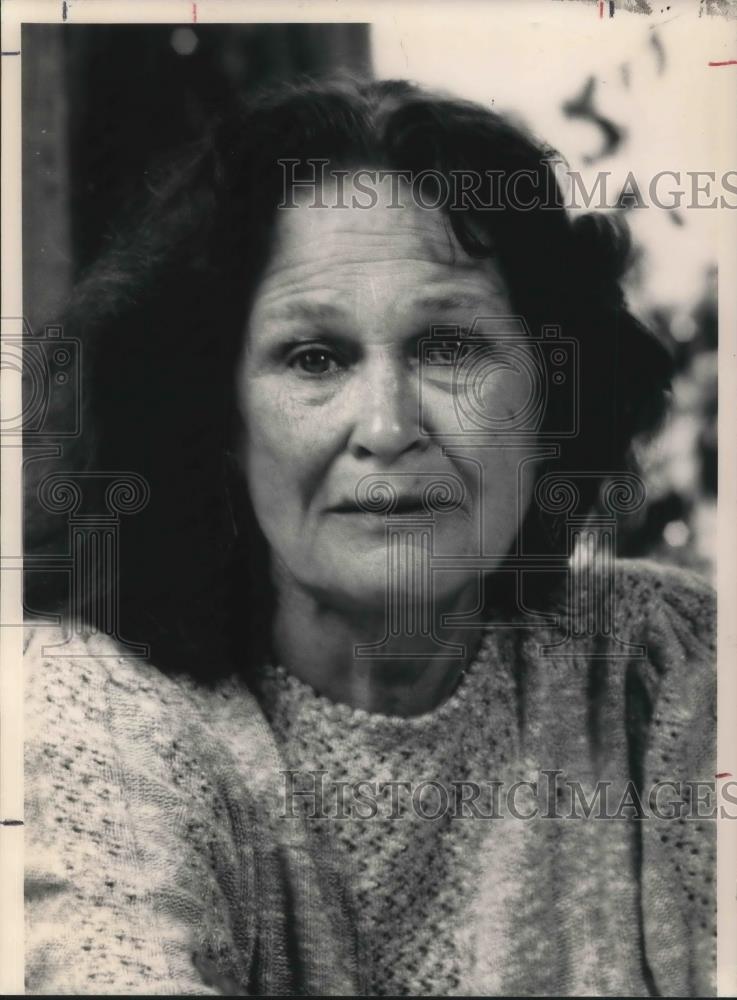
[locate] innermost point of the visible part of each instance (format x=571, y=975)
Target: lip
x=403, y=505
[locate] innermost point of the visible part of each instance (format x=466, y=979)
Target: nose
x=387, y=417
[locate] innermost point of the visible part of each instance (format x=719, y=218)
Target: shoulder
x=92, y=668
x=76, y=684
x=636, y=604
x=671, y=694
x=669, y=616
x=85, y=693
x=131, y=852
x=654, y=627
x=671, y=610
x=94, y=711
x=645, y=589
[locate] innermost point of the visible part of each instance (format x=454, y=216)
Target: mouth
x=403, y=505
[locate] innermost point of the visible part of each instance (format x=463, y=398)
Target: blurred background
x=620, y=93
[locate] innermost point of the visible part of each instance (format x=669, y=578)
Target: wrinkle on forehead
x=305, y=244
x=379, y=231
x=364, y=257
x=310, y=234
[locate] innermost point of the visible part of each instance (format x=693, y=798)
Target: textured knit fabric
x=161, y=856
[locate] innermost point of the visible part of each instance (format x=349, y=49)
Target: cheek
x=502, y=402
x=285, y=448
x=487, y=398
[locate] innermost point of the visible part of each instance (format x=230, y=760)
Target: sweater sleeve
x=123, y=836
x=678, y=838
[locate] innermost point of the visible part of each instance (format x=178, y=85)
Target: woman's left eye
x=314, y=361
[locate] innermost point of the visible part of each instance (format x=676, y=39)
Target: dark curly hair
x=161, y=319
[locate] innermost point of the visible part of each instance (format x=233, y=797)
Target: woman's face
x=332, y=388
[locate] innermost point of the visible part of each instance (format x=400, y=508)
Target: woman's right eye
x=314, y=361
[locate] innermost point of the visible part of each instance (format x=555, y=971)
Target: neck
x=410, y=674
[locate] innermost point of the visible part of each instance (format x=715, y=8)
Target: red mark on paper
x=601, y=8
x=194, y=13
x=727, y=62
x=723, y=774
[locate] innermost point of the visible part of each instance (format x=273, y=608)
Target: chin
x=355, y=580
x=359, y=580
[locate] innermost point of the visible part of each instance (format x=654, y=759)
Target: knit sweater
x=165, y=852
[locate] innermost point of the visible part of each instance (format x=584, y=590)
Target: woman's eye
x=314, y=361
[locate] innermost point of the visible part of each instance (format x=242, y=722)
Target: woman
x=365, y=752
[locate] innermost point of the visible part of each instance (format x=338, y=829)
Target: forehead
x=375, y=256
